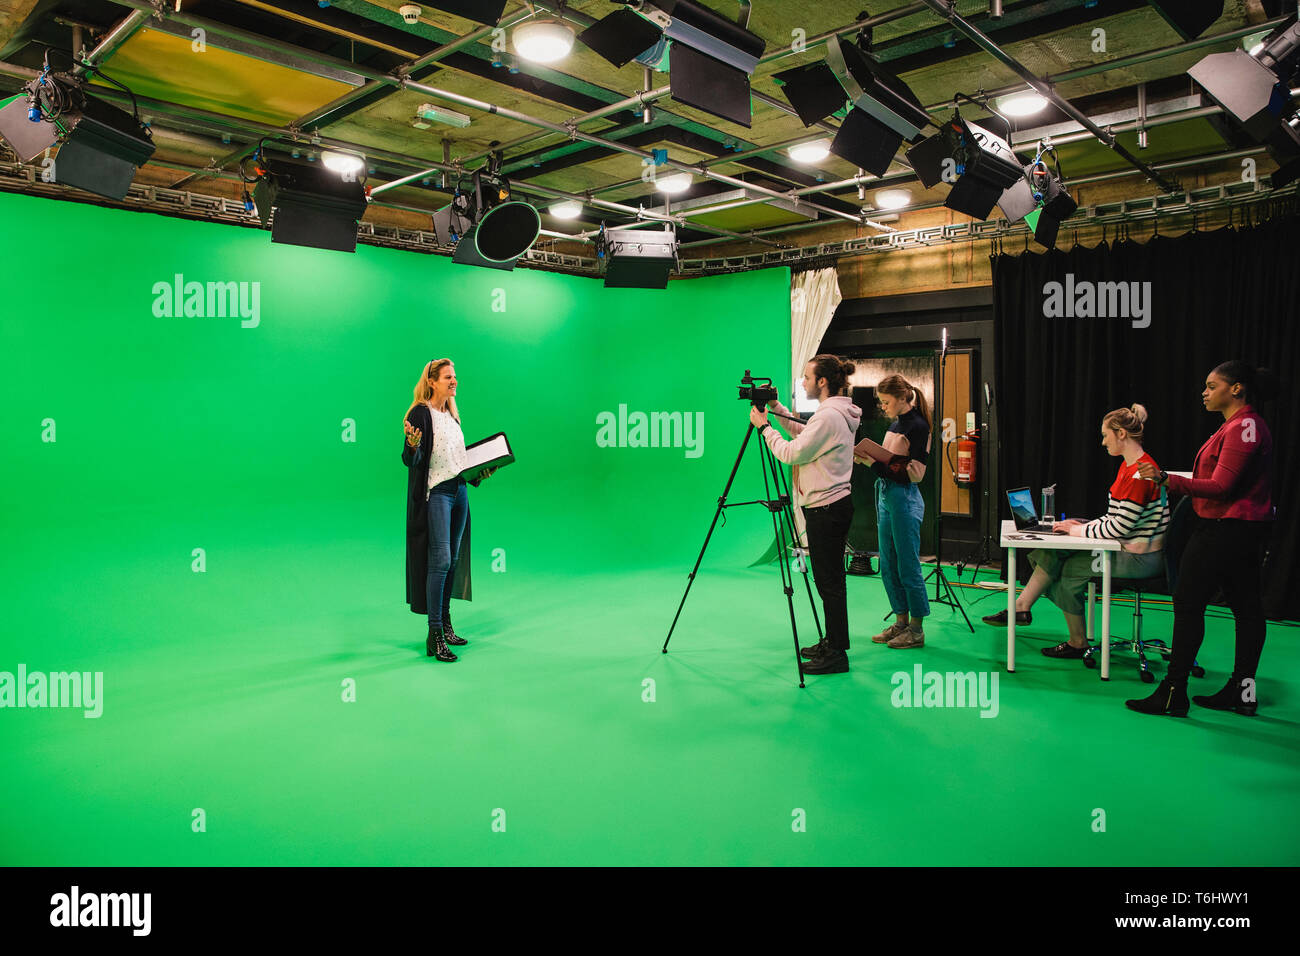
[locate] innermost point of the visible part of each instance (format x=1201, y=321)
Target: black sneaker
x=815, y=650
x=831, y=662
x=1065, y=650
x=1000, y=619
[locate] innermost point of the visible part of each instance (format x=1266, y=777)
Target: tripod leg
x=783, y=552
x=953, y=600
x=783, y=490
x=722, y=502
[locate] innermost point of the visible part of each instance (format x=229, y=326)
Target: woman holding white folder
x=898, y=464
x=437, y=505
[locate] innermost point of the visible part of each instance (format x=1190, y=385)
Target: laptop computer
x=1025, y=514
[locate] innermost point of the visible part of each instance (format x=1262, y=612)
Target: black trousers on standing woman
x=1227, y=554
x=828, y=532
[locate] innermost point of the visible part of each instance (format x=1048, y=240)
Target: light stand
x=943, y=592
x=983, y=551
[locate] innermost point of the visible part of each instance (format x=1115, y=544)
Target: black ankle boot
x=448, y=634
x=436, y=646
x=1238, y=694
x=1169, y=698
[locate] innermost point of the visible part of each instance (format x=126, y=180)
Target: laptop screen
x=1022, y=506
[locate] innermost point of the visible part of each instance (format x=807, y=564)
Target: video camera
x=755, y=393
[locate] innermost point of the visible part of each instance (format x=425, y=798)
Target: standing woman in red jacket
x=1231, y=490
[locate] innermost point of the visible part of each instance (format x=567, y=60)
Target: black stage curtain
x=1233, y=293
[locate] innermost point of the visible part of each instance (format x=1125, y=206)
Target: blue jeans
x=448, y=511
x=899, y=510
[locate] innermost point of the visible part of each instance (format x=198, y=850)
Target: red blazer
x=1232, y=477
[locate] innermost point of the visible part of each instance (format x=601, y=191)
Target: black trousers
x=828, y=531
x=1226, y=553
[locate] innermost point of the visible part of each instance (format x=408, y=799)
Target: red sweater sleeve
x=1234, y=458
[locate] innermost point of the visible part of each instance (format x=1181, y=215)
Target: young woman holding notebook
x=898, y=464
x=437, y=506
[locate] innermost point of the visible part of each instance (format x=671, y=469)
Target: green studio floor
x=222, y=691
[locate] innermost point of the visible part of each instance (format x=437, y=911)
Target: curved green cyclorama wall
x=164, y=373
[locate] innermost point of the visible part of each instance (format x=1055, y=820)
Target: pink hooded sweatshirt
x=821, y=450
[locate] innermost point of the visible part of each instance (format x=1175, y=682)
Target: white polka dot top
x=446, y=449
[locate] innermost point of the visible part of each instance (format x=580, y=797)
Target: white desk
x=1012, y=539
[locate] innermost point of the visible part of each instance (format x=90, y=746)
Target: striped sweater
x=1137, y=513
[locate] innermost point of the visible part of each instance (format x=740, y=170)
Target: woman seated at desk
x=1137, y=516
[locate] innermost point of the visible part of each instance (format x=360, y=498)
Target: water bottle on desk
x=1048, y=519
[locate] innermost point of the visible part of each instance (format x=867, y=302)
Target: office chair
x=1164, y=583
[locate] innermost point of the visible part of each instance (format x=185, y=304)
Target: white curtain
x=814, y=297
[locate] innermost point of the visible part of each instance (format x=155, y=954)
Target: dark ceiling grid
x=333, y=45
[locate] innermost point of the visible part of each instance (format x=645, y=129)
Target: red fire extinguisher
x=966, y=459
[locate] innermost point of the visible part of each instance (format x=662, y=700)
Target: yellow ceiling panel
x=165, y=67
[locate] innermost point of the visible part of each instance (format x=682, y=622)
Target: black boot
x=448, y=634
x=1169, y=698
x=436, y=646
x=1238, y=694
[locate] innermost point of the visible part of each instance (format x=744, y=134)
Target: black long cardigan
x=417, y=521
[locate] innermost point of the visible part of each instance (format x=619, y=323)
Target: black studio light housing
x=1190, y=18
x=1254, y=91
x=637, y=258
x=487, y=227
x=313, y=205
x=1039, y=197
x=710, y=57
x=883, y=110
x=978, y=163
x=100, y=146
x=486, y=12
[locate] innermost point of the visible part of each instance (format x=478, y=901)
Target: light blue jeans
x=899, y=510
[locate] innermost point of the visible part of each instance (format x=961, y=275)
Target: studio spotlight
x=1021, y=104
x=883, y=112
x=678, y=183
x=1254, y=91
x=344, y=164
x=313, y=205
x=1190, y=18
x=569, y=209
x=543, y=41
x=711, y=58
x=100, y=146
x=637, y=258
x=488, y=228
x=892, y=198
x=1040, y=198
x=979, y=164
x=813, y=152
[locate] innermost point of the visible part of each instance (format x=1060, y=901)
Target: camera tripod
x=782, y=526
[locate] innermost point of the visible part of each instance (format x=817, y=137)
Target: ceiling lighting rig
x=486, y=226
x=709, y=58
x=315, y=204
x=100, y=146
